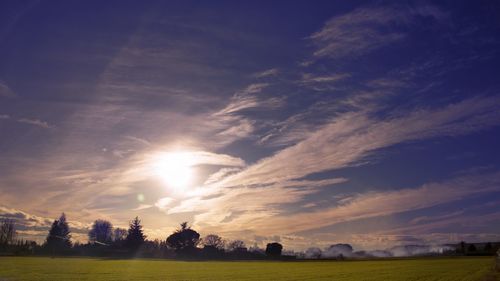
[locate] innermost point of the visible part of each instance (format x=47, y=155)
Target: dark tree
x=135, y=236
x=213, y=246
x=471, y=248
x=119, y=234
x=236, y=245
x=462, y=247
x=274, y=249
x=488, y=248
x=59, y=238
x=65, y=233
x=101, y=232
x=7, y=232
x=213, y=241
x=184, y=240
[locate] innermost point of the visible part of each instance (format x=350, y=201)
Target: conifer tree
x=135, y=236
x=59, y=238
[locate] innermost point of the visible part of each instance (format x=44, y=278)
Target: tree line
x=106, y=240
x=186, y=243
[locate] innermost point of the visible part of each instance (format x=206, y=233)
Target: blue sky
x=311, y=123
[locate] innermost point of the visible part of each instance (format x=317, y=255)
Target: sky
x=304, y=122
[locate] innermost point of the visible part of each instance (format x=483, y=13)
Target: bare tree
x=119, y=234
x=214, y=241
x=7, y=232
x=236, y=245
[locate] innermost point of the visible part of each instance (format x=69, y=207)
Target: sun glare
x=175, y=168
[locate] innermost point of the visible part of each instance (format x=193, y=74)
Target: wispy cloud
x=267, y=73
x=35, y=122
x=446, y=216
x=261, y=217
x=352, y=136
x=346, y=141
x=210, y=158
x=429, y=224
x=385, y=83
x=142, y=207
x=139, y=140
x=24, y=218
x=253, y=88
x=30, y=226
x=244, y=99
x=5, y=91
x=242, y=128
x=220, y=174
x=299, y=126
x=163, y=203
x=260, y=202
x=239, y=103
x=366, y=29
x=375, y=204
x=254, y=137
x=324, y=82
x=311, y=78
x=238, y=126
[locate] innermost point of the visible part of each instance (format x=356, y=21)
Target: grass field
x=37, y=268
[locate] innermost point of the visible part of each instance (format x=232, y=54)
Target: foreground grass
x=38, y=268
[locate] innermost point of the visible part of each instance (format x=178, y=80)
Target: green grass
x=38, y=268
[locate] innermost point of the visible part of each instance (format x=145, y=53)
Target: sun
x=175, y=169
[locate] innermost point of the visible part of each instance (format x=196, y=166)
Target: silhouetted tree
x=488, y=248
x=135, y=236
x=213, y=246
x=274, y=249
x=119, y=234
x=471, y=248
x=184, y=240
x=101, y=232
x=236, y=245
x=462, y=247
x=214, y=241
x=7, y=232
x=59, y=238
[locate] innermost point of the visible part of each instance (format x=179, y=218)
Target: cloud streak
x=276, y=181
x=366, y=29
x=352, y=136
x=267, y=73
x=264, y=220
x=36, y=227
x=35, y=122
x=5, y=91
x=310, y=78
x=244, y=99
x=269, y=141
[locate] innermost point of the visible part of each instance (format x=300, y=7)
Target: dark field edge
x=256, y=260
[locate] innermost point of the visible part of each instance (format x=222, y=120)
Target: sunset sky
x=303, y=122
